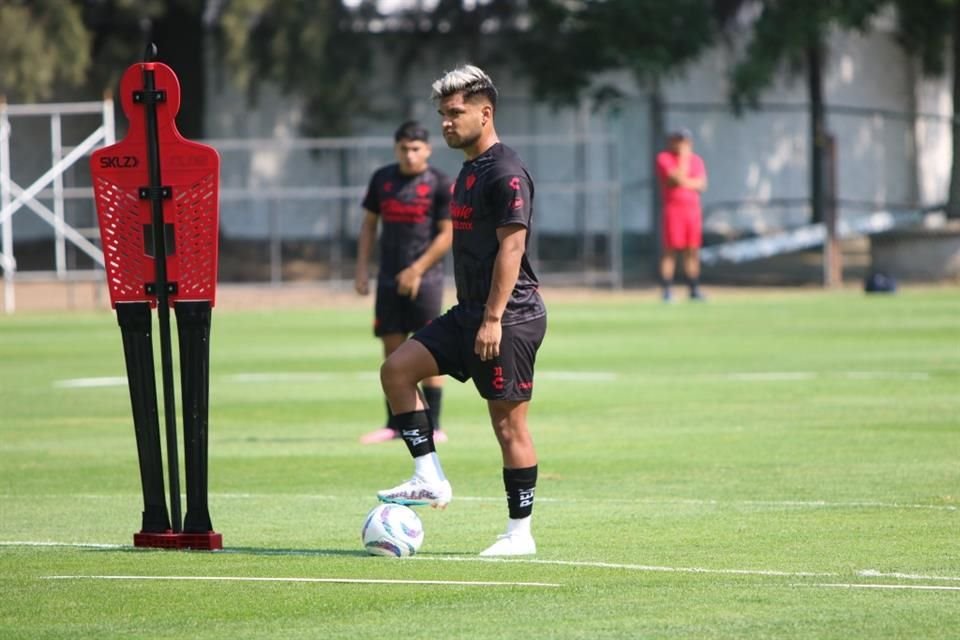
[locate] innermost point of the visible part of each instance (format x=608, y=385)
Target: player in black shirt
x=412, y=200
x=493, y=332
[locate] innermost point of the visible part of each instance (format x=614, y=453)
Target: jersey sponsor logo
x=470, y=181
x=387, y=187
x=392, y=210
x=462, y=216
x=423, y=190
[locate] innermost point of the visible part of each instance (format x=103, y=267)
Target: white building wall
x=933, y=138
x=758, y=162
x=764, y=155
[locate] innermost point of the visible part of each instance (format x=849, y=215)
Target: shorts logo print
x=498, y=381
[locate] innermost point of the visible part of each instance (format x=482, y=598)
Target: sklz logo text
x=119, y=162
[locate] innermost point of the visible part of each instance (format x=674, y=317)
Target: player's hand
x=408, y=283
x=362, y=284
x=487, y=343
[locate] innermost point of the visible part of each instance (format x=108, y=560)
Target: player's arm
x=671, y=175
x=698, y=182
x=506, y=270
x=408, y=280
x=685, y=177
x=368, y=235
x=677, y=176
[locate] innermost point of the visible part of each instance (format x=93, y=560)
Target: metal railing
x=14, y=198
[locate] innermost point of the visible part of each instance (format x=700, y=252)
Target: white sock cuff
x=428, y=467
x=519, y=525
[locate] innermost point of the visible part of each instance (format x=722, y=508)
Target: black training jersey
x=493, y=190
x=410, y=208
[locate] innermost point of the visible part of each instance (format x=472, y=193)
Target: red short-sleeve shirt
x=674, y=195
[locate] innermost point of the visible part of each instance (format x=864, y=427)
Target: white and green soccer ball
x=392, y=530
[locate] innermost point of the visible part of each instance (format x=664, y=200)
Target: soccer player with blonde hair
x=493, y=332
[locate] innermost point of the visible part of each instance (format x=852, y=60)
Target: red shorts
x=682, y=227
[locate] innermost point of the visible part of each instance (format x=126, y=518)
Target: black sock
x=520, y=485
x=694, y=284
x=433, y=397
x=416, y=431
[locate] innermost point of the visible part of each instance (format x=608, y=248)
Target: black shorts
x=509, y=376
x=394, y=313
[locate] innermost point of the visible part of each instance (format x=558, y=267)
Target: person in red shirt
x=682, y=176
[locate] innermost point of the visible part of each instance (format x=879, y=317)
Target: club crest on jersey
x=470, y=181
x=388, y=187
x=423, y=190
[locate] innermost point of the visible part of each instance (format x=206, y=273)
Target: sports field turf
x=782, y=465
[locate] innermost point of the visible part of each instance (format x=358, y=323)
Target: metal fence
x=66, y=235
x=290, y=207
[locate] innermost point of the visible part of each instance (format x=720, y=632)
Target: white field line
x=873, y=573
x=792, y=376
x=776, y=504
x=50, y=543
x=323, y=376
x=767, y=376
x=867, y=573
x=448, y=583
x=326, y=376
x=632, y=567
x=90, y=383
x=901, y=587
x=887, y=375
x=553, y=376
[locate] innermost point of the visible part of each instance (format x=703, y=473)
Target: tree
x=51, y=49
x=929, y=30
x=42, y=44
x=319, y=51
x=121, y=30
x=569, y=43
x=793, y=36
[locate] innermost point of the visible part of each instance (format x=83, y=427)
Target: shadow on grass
x=266, y=551
x=253, y=551
x=359, y=553
x=259, y=551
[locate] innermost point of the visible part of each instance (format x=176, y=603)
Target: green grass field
x=765, y=465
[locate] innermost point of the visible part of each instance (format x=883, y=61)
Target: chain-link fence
x=291, y=209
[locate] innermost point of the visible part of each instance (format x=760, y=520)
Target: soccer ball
x=392, y=530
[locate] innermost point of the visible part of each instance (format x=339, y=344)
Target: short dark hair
x=413, y=131
x=470, y=81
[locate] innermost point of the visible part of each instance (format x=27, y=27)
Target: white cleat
x=512, y=544
x=417, y=491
